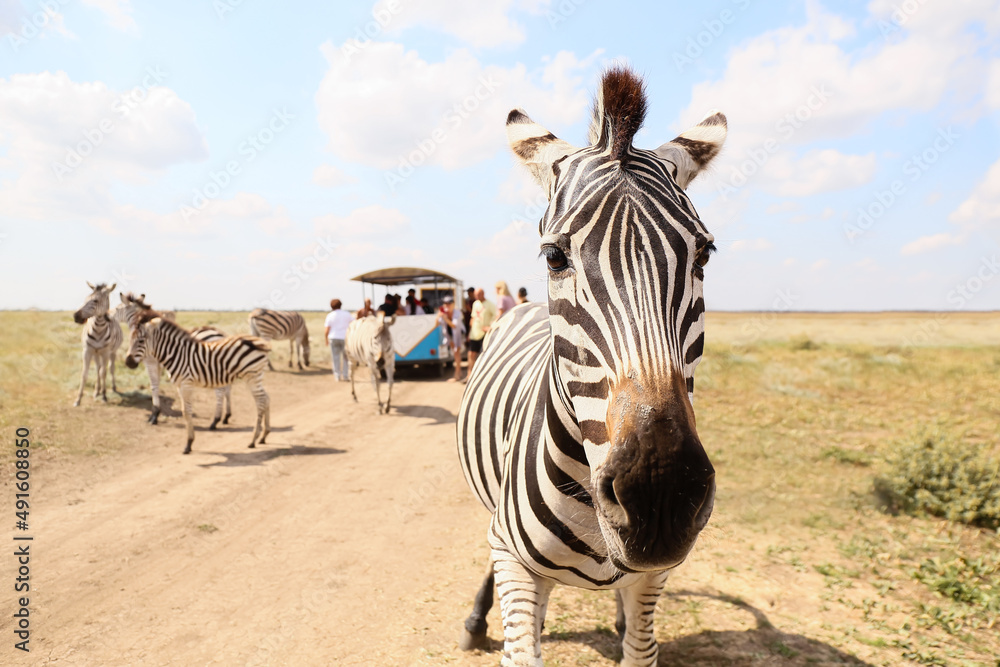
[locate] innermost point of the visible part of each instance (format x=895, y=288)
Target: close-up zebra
x=369, y=343
x=281, y=325
x=577, y=429
x=195, y=363
x=100, y=339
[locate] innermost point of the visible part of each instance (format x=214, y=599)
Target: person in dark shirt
x=389, y=307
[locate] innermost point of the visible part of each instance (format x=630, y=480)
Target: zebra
x=211, y=364
x=128, y=312
x=279, y=325
x=576, y=429
x=369, y=342
x=101, y=337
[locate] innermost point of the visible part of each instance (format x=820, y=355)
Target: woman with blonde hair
x=504, y=299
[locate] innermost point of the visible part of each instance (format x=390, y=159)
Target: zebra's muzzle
x=131, y=362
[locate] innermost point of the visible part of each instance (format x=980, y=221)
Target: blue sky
x=227, y=154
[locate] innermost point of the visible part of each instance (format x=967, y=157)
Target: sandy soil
x=347, y=539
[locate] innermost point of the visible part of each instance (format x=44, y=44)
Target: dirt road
x=334, y=543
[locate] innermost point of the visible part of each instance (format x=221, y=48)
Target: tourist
x=522, y=295
x=484, y=314
x=504, y=300
x=335, y=331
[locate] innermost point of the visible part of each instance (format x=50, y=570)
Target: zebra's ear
x=112, y=288
x=90, y=286
x=535, y=147
x=691, y=152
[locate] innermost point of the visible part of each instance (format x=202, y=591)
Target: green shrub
x=939, y=476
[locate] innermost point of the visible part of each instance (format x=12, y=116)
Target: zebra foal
x=369, y=342
x=195, y=363
x=280, y=325
x=128, y=312
x=101, y=337
x=576, y=429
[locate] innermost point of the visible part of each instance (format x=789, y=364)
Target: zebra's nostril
x=608, y=490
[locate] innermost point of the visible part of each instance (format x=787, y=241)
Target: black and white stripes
x=369, y=343
x=281, y=325
x=101, y=338
x=577, y=429
x=195, y=363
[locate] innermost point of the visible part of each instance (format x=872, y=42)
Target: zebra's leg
x=390, y=370
x=351, y=366
x=219, y=396
x=87, y=355
x=185, y=393
x=523, y=600
x=228, y=390
x=101, y=367
x=263, y=402
x=619, y=614
x=376, y=374
x=474, y=633
x=114, y=382
x=639, y=647
x=291, y=351
x=153, y=369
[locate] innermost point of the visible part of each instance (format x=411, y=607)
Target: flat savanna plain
x=352, y=539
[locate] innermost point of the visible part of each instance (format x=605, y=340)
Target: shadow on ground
x=763, y=645
x=436, y=414
x=261, y=455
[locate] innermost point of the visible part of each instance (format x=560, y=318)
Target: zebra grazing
x=279, y=325
x=194, y=363
x=128, y=312
x=576, y=428
x=369, y=342
x=101, y=338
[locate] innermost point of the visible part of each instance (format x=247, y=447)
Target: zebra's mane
x=149, y=315
x=619, y=111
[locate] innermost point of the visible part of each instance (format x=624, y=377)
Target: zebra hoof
x=187, y=450
x=252, y=446
x=211, y=427
x=226, y=420
x=471, y=641
x=76, y=403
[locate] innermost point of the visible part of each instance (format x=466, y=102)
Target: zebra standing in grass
x=101, y=338
x=194, y=363
x=576, y=428
x=128, y=312
x=369, y=342
x=279, y=325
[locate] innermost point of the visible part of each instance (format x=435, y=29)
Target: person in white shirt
x=335, y=330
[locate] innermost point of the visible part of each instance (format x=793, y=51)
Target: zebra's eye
x=703, y=255
x=555, y=258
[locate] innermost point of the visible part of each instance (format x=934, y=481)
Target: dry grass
x=798, y=565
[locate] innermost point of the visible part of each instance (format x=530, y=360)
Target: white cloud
x=799, y=85
x=982, y=209
x=118, y=12
x=369, y=221
x=817, y=171
x=68, y=143
x=486, y=23
x=786, y=206
x=388, y=106
x=329, y=176
x=931, y=242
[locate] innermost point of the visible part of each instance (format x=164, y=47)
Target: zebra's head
x=382, y=339
x=131, y=307
x=97, y=303
x=139, y=334
x=626, y=254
